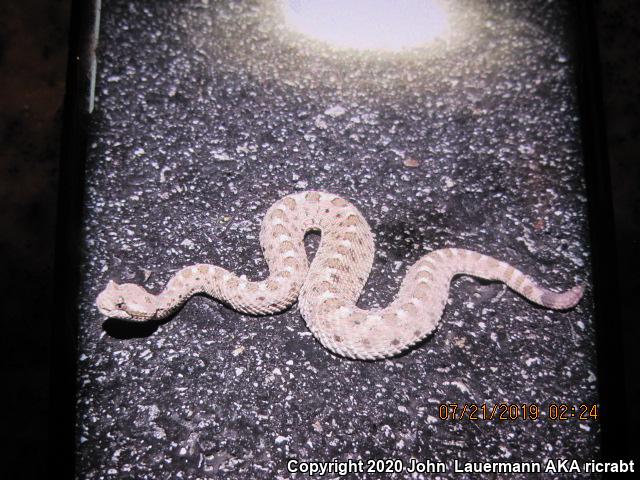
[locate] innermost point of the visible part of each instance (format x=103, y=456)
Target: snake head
x=127, y=302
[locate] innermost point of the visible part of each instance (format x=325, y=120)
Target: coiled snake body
x=327, y=290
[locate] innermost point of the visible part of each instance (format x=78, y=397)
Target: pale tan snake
x=328, y=289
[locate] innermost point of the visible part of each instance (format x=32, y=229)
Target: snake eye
x=120, y=304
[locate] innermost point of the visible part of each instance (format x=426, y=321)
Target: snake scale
x=327, y=290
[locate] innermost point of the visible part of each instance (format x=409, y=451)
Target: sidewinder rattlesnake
x=327, y=290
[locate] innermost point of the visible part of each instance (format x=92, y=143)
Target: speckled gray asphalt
x=205, y=115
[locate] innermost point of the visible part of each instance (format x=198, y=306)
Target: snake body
x=327, y=290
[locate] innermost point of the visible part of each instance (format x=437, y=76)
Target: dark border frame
x=64, y=330
x=608, y=323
